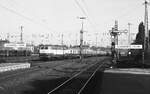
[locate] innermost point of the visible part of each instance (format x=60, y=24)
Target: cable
x=25, y=17
x=126, y=13
x=86, y=8
x=14, y=12
x=84, y=12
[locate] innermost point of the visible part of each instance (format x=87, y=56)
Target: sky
x=45, y=21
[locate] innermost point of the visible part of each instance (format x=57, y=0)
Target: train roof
x=6, y=48
x=54, y=45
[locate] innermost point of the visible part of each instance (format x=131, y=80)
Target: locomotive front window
x=46, y=47
x=42, y=47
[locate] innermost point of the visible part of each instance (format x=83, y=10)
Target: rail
x=71, y=78
x=90, y=78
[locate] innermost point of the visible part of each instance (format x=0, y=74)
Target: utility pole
x=8, y=37
x=129, y=33
x=129, y=41
x=81, y=38
x=62, y=42
x=96, y=42
x=76, y=39
x=21, y=34
x=146, y=26
x=51, y=38
x=96, y=45
x=146, y=35
x=116, y=29
x=116, y=38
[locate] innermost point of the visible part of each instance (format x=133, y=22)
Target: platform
x=13, y=66
x=129, y=71
x=125, y=81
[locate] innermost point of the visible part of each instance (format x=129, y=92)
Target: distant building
x=2, y=42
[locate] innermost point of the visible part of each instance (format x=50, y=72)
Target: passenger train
x=55, y=51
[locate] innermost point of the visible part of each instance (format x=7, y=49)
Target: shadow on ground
x=131, y=64
x=45, y=86
x=2, y=61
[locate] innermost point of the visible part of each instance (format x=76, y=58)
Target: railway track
x=39, y=66
x=71, y=87
x=35, y=58
x=71, y=74
x=34, y=67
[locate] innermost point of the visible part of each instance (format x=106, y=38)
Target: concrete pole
x=21, y=34
x=129, y=34
x=146, y=35
x=62, y=42
x=81, y=38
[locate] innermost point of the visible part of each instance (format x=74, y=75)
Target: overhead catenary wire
x=125, y=14
x=91, y=21
x=84, y=8
x=25, y=17
x=85, y=12
x=37, y=17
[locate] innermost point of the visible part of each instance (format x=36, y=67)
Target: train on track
x=59, y=51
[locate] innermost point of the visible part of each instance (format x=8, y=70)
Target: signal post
x=114, y=41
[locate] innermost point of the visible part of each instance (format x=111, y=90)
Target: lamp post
x=81, y=38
